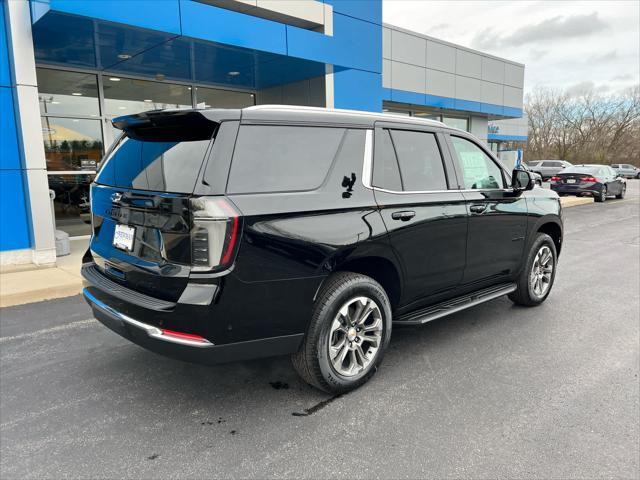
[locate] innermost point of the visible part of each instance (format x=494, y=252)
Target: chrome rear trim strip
x=153, y=332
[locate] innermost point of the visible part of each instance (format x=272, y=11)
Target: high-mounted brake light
x=215, y=233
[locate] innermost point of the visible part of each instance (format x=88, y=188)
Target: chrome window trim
x=367, y=163
x=456, y=190
x=367, y=175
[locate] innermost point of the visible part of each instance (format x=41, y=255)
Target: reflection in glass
x=71, y=203
x=67, y=93
x=457, y=122
x=429, y=116
x=71, y=143
x=125, y=96
x=405, y=113
x=214, y=98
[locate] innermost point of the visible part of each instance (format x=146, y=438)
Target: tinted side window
x=386, y=173
x=420, y=161
x=479, y=171
x=157, y=166
x=282, y=158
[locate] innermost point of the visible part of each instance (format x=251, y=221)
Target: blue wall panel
x=163, y=15
x=354, y=44
x=9, y=153
x=224, y=26
x=369, y=10
x=14, y=227
x=5, y=77
x=357, y=90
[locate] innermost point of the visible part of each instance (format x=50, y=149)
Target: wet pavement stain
x=317, y=407
x=279, y=385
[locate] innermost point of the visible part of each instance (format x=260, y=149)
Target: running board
x=448, y=307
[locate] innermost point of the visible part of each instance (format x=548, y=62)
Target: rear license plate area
x=123, y=237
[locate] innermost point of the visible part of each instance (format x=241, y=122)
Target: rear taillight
x=588, y=179
x=215, y=233
x=555, y=179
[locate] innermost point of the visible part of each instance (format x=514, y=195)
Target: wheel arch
x=379, y=267
x=554, y=230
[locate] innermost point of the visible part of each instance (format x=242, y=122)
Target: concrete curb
x=41, y=295
x=567, y=202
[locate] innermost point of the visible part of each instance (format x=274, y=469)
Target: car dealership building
x=68, y=67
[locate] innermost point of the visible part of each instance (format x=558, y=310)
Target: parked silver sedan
x=548, y=168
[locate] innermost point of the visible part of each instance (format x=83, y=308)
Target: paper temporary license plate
x=571, y=180
x=123, y=237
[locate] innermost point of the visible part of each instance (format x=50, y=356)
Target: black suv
x=221, y=235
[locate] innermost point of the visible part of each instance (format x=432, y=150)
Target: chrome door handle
x=478, y=208
x=403, y=215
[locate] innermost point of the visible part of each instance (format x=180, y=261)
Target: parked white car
x=626, y=170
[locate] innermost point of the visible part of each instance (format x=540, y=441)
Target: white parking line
x=46, y=331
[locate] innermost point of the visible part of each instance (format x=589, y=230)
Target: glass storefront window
x=125, y=96
x=215, y=98
x=456, y=122
x=71, y=203
x=406, y=113
x=429, y=116
x=67, y=93
x=71, y=143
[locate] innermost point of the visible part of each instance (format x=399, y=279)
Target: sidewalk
x=36, y=285
x=22, y=286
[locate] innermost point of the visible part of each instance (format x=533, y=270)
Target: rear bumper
x=203, y=352
x=576, y=189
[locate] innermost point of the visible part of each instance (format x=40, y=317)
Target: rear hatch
x=149, y=231
x=576, y=176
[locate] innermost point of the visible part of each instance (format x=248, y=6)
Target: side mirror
x=522, y=180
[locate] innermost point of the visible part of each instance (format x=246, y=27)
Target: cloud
x=623, y=77
x=603, y=57
x=536, y=54
x=554, y=28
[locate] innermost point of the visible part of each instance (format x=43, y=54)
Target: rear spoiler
x=174, y=125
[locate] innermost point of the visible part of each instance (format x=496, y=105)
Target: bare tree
x=584, y=128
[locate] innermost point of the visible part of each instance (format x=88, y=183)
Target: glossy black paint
x=425, y=246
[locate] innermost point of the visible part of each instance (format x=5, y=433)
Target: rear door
x=497, y=214
x=422, y=210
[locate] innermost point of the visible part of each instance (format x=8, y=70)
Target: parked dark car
x=626, y=170
x=222, y=235
x=600, y=181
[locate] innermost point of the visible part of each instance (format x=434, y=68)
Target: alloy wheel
x=355, y=336
x=542, y=272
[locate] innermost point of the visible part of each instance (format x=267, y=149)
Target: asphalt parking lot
x=496, y=391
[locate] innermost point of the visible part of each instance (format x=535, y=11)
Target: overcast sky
x=563, y=44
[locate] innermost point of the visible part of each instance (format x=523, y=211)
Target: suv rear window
x=154, y=165
x=282, y=158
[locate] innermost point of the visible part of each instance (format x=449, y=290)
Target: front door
x=497, y=215
x=426, y=221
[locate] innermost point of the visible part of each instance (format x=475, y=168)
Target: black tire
x=621, y=194
x=524, y=294
x=602, y=195
x=312, y=361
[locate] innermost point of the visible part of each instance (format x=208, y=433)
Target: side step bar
x=455, y=305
